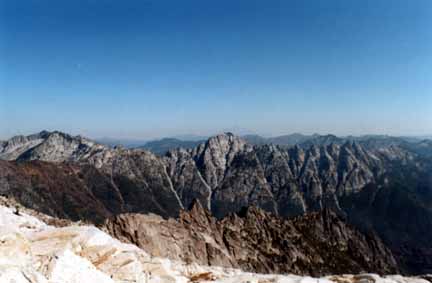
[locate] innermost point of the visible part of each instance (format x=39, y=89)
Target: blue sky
x=144, y=69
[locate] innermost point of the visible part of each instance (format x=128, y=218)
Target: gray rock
x=371, y=182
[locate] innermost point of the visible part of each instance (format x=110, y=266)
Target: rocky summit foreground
x=32, y=251
x=315, y=244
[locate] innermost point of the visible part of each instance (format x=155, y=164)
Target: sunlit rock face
x=315, y=244
x=32, y=251
x=225, y=173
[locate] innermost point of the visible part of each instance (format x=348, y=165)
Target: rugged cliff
x=253, y=240
x=32, y=251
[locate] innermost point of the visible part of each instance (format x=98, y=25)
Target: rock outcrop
x=315, y=244
x=32, y=251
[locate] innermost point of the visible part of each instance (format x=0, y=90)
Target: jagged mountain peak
x=258, y=241
x=55, y=146
x=227, y=138
x=11, y=149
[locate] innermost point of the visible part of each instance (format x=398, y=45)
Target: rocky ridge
x=225, y=173
x=364, y=182
x=314, y=244
x=32, y=251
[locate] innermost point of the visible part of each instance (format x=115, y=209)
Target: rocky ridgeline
x=224, y=173
x=49, y=146
x=315, y=244
x=369, y=185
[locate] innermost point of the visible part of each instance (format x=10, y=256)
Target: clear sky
x=142, y=69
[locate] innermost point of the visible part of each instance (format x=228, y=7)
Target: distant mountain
x=291, y=139
x=239, y=131
x=162, y=146
x=306, y=141
x=255, y=139
x=286, y=140
x=380, y=184
x=422, y=148
x=128, y=143
x=301, y=140
x=190, y=137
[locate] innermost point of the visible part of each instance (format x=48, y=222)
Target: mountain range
x=163, y=145
x=377, y=184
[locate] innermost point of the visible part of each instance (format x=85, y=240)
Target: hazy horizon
x=198, y=136
x=152, y=69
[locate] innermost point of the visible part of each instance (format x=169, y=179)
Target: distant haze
x=149, y=69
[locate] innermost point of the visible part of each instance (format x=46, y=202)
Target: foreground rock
x=32, y=251
x=315, y=244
